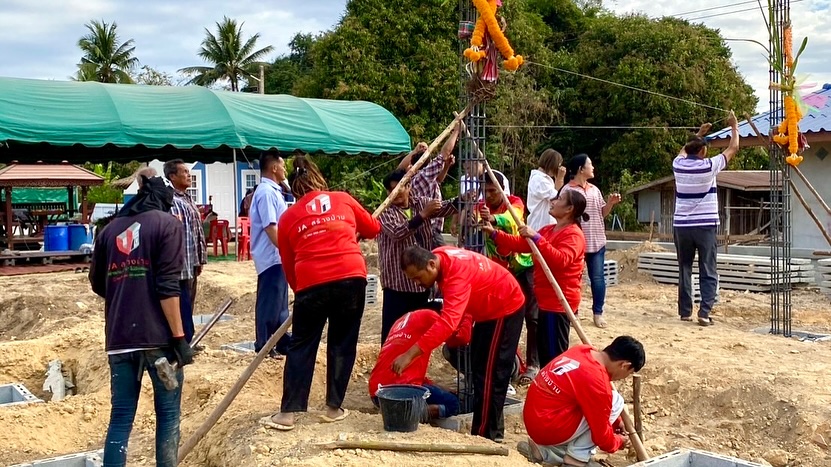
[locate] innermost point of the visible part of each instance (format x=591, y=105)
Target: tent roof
x=90, y=121
x=47, y=175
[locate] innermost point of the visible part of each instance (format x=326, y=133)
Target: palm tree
x=105, y=60
x=231, y=58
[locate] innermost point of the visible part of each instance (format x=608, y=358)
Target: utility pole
x=261, y=82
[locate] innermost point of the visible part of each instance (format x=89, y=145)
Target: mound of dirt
x=627, y=261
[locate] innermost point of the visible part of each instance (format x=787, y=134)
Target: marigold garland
x=487, y=22
x=789, y=128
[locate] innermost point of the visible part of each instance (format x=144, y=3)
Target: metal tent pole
x=236, y=205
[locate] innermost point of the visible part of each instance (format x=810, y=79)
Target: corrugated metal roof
x=743, y=180
x=813, y=122
x=47, y=175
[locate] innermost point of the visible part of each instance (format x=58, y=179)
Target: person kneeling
x=571, y=408
x=441, y=403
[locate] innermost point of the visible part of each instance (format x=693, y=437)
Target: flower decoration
x=488, y=24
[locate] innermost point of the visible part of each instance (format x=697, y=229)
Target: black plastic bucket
x=402, y=406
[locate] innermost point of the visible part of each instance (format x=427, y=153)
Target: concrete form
x=16, y=394
x=83, y=459
x=694, y=458
x=462, y=423
x=242, y=347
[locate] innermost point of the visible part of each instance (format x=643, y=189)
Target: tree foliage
x=232, y=57
x=105, y=59
x=153, y=77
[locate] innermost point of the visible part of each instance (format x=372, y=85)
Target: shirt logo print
x=321, y=204
x=128, y=241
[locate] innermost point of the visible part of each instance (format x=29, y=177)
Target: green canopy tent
x=54, y=121
x=94, y=122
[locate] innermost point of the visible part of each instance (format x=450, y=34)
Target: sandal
x=706, y=321
x=528, y=377
x=326, y=419
x=269, y=423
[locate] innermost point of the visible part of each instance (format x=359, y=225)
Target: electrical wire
x=633, y=88
x=595, y=127
x=731, y=12
x=713, y=8
x=365, y=172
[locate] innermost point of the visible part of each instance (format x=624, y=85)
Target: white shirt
x=541, y=191
x=472, y=183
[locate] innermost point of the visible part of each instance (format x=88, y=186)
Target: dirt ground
x=726, y=388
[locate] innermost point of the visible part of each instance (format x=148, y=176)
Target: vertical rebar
x=780, y=196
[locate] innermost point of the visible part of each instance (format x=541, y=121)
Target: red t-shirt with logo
x=404, y=333
x=470, y=284
x=317, y=239
x=571, y=387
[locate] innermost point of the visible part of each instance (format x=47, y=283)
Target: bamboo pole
x=424, y=159
x=416, y=447
x=627, y=420
x=793, y=186
x=220, y=409
x=636, y=405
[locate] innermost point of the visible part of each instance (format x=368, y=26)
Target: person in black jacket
x=135, y=267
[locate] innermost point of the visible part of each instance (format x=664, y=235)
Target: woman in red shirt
x=317, y=238
x=563, y=247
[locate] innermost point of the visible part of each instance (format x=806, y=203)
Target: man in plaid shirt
x=426, y=183
x=196, y=254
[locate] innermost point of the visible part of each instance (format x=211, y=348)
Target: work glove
x=184, y=354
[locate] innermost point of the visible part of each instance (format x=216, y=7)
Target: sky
x=39, y=38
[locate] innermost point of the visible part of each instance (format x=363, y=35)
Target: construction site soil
x=725, y=388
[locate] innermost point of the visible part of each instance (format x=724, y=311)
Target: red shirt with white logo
x=470, y=284
x=404, y=333
x=571, y=387
x=317, y=239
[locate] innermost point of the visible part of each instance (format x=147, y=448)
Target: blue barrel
x=56, y=238
x=79, y=234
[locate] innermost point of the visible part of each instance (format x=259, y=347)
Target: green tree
x=288, y=69
x=105, y=59
x=153, y=77
x=232, y=58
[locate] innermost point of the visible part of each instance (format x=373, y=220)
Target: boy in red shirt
x=571, y=408
x=404, y=333
x=472, y=284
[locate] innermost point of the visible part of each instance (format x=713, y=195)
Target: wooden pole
x=627, y=420
x=810, y=212
x=220, y=409
x=416, y=447
x=424, y=159
x=636, y=405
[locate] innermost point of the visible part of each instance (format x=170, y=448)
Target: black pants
x=397, y=304
x=186, y=309
x=342, y=304
x=552, y=335
x=493, y=348
x=526, y=282
x=688, y=240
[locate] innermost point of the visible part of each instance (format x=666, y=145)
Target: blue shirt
x=267, y=206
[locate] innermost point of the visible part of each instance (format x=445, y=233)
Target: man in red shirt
x=473, y=285
x=571, y=408
x=404, y=333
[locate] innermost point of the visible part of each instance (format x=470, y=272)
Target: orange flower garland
x=487, y=21
x=789, y=128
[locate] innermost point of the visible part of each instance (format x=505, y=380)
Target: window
x=250, y=179
x=195, y=190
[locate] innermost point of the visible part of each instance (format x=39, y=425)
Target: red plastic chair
x=243, y=239
x=220, y=231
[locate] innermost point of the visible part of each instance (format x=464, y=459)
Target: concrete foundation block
x=16, y=394
x=462, y=423
x=695, y=458
x=199, y=320
x=83, y=459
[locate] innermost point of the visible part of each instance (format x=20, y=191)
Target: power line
x=595, y=127
x=713, y=8
x=731, y=12
x=633, y=88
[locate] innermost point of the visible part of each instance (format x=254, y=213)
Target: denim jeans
x=126, y=372
x=688, y=240
x=186, y=309
x=272, y=308
x=594, y=263
x=447, y=401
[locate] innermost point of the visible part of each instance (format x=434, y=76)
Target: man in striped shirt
x=406, y=222
x=696, y=218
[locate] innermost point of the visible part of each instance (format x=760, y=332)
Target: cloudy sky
x=38, y=38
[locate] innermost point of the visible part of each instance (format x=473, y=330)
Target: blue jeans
x=272, y=308
x=126, y=372
x=594, y=263
x=447, y=402
x=186, y=309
